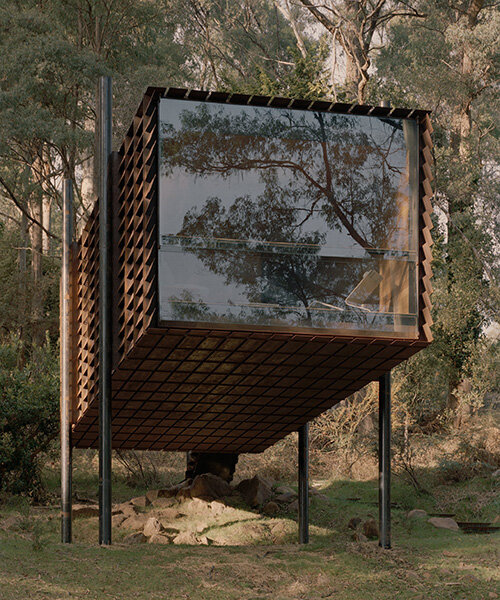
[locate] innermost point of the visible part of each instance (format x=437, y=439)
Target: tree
x=358, y=27
x=455, y=46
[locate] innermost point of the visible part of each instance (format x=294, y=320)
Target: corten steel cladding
x=225, y=387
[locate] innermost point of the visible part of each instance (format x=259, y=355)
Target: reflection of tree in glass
x=317, y=169
x=339, y=169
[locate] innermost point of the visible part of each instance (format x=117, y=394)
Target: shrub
x=29, y=405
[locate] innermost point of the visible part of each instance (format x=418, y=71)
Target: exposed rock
x=160, y=539
x=129, y=510
x=270, y=508
x=294, y=506
x=85, y=510
x=117, y=520
x=444, y=523
x=135, y=522
x=354, y=522
x=357, y=536
x=169, y=514
x=186, y=537
x=255, y=491
x=217, y=508
x=164, y=502
x=417, y=513
x=140, y=502
x=135, y=538
x=172, y=491
x=209, y=486
x=152, y=495
x=370, y=529
x=152, y=527
x=183, y=492
x=203, y=540
x=286, y=497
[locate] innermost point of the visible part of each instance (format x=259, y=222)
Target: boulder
x=160, y=539
x=152, y=495
x=129, y=510
x=85, y=510
x=255, y=491
x=354, y=522
x=217, y=508
x=370, y=529
x=209, y=486
x=169, y=514
x=135, y=538
x=294, y=506
x=152, y=527
x=186, y=537
x=140, y=502
x=117, y=520
x=173, y=490
x=357, y=536
x=444, y=523
x=286, y=497
x=270, y=508
x=417, y=513
x=136, y=522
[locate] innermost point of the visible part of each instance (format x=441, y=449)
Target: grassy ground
x=425, y=563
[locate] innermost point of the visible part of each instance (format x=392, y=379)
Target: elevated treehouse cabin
x=270, y=257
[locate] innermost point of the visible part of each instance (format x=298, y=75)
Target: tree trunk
x=222, y=465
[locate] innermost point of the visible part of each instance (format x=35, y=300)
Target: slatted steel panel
x=233, y=391
x=85, y=319
x=214, y=389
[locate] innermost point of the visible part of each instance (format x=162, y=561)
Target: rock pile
x=184, y=514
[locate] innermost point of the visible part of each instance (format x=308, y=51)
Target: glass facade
x=289, y=219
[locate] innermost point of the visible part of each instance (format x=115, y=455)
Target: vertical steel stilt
x=104, y=136
x=304, y=484
x=384, y=454
x=66, y=470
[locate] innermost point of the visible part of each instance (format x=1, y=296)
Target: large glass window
x=287, y=218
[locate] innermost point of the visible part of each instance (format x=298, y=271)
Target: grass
x=425, y=563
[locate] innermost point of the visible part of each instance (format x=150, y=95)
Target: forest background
x=440, y=55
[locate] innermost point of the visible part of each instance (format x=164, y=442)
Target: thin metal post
x=66, y=465
x=104, y=151
x=384, y=457
x=304, y=484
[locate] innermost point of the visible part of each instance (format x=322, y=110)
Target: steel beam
x=304, y=484
x=65, y=325
x=384, y=459
x=105, y=356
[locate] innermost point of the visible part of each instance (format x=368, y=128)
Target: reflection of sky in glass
x=364, y=173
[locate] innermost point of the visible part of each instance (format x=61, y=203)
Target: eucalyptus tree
x=448, y=62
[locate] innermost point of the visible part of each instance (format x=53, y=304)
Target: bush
x=29, y=406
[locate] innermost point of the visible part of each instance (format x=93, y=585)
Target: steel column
x=384, y=458
x=304, y=484
x=104, y=151
x=65, y=324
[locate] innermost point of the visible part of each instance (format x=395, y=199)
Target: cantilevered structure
x=270, y=257
x=258, y=260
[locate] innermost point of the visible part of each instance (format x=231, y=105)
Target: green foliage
x=29, y=402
